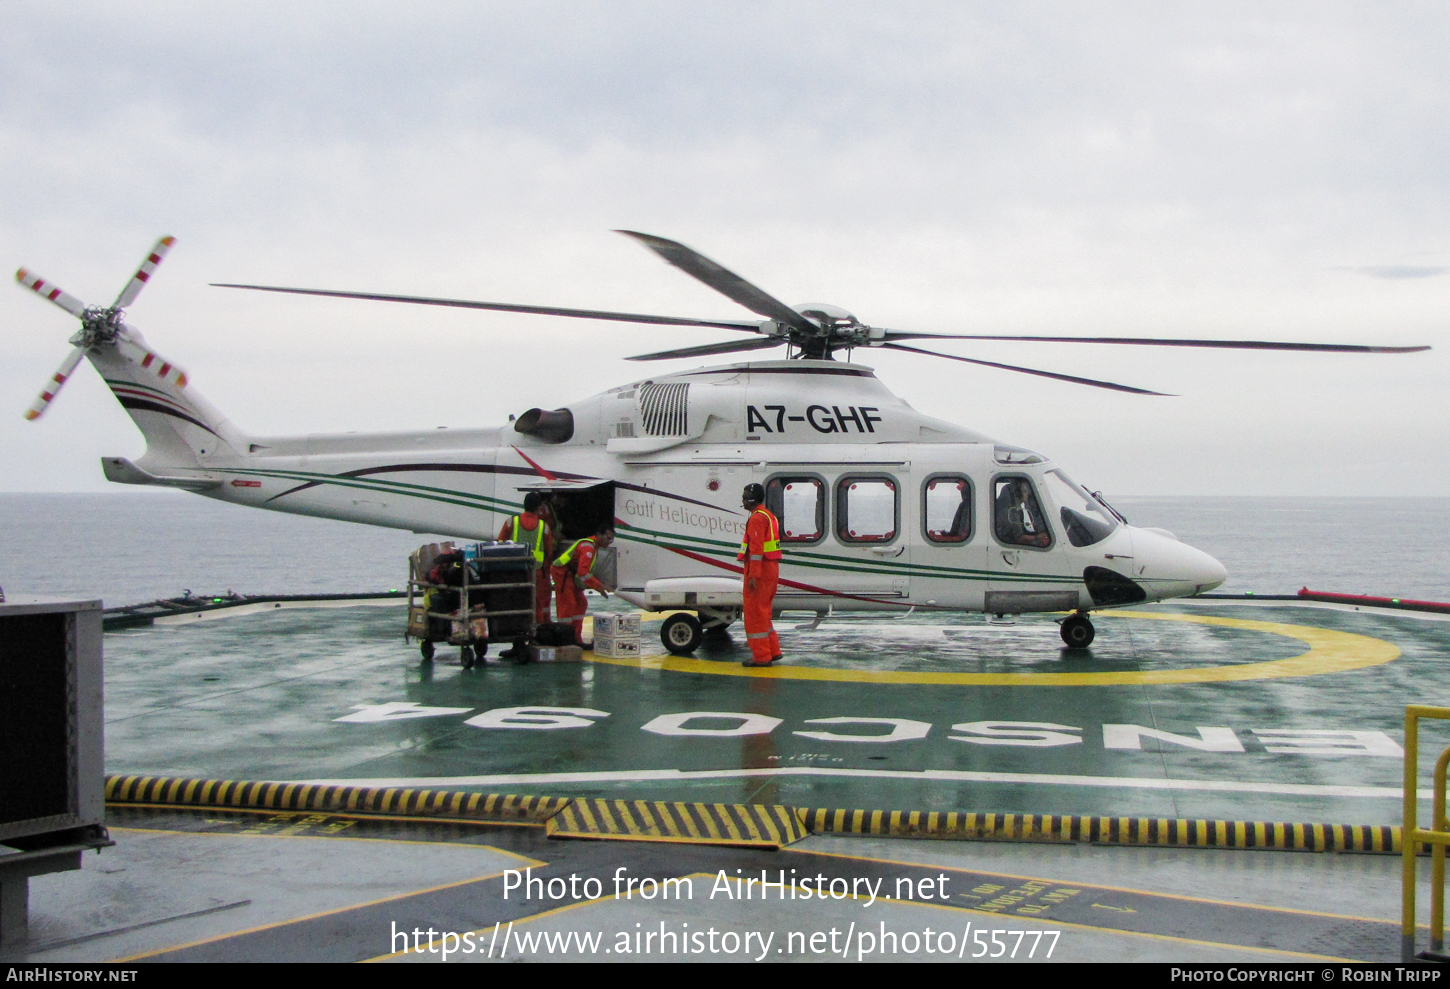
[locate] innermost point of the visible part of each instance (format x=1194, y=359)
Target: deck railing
x=1412, y=837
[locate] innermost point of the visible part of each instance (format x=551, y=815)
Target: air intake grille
x=664, y=409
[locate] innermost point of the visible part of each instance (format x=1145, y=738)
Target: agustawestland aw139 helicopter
x=881, y=507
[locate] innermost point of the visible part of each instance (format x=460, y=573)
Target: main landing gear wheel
x=681, y=633
x=427, y=650
x=1077, y=631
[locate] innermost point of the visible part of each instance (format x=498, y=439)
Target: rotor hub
x=837, y=329
x=99, y=324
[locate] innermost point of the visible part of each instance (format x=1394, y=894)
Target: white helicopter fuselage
x=881, y=507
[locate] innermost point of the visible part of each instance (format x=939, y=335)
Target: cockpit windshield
x=1086, y=519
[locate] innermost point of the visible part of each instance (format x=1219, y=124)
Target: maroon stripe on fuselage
x=788, y=583
x=146, y=406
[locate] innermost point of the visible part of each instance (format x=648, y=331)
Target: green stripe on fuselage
x=444, y=495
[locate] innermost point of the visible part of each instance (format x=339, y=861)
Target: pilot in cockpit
x=1018, y=518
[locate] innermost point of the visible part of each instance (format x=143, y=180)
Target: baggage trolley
x=492, y=600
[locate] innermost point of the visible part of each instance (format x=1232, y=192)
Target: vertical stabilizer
x=182, y=429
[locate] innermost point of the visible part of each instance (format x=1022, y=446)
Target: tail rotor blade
x=137, y=354
x=143, y=273
x=52, y=387
x=52, y=292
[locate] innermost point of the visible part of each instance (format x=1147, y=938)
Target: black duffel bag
x=556, y=634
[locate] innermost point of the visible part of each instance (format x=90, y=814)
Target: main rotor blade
x=1027, y=370
x=54, y=293
x=52, y=387
x=143, y=273
x=724, y=281
x=621, y=317
x=711, y=348
x=1343, y=348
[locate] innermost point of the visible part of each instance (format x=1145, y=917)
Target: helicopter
x=881, y=508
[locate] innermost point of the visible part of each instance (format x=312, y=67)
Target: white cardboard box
x=617, y=625
x=616, y=648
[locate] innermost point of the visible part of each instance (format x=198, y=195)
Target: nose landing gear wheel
x=1078, y=632
x=681, y=634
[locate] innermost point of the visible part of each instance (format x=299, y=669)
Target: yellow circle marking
x=1330, y=651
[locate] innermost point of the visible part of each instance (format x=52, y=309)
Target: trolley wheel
x=1077, y=631
x=465, y=657
x=681, y=633
x=427, y=650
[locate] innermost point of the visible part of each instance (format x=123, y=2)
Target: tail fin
x=183, y=431
x=184, y=434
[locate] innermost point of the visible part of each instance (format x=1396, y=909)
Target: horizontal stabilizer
x=122, y=471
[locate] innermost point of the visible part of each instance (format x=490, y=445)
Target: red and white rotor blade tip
x=163, y=369
x=143, y=273
x=52, y=292
x=52, y=387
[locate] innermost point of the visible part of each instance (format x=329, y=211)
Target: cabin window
x=1085, y=519
x=866, y=509
x=1017, y=516
x=946, y=508
x=800, y=505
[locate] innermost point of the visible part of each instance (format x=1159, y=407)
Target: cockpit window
x=1017, y=514
x=1086, y=519
x=1015, y=455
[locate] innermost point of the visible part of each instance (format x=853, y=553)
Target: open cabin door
x=580, y=507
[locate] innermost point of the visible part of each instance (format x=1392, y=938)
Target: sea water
x=127, y=547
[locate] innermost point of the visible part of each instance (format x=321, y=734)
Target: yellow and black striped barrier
x=758, y=825
x=754, y=825
x=331, y=799
x=1153, y=831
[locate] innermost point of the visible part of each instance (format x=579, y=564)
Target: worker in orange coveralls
x=571, y=572
x=760, y=553
x=533, y=528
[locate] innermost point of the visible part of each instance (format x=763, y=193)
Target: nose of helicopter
x=1168, y=568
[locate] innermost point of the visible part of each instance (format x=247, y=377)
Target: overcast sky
x=1262, y=171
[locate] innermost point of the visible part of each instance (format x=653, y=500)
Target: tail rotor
x=102, y=326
